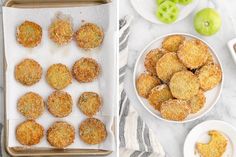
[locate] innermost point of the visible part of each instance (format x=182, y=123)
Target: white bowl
x=200, y=134
x=147, y=9
x=212, y=95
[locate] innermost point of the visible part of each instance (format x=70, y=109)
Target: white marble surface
x=172, y=136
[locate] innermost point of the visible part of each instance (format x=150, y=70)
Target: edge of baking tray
x=51, y=3
x=20, y=151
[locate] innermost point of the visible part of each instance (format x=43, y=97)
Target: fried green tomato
x=61, y=31
x=86, y=70
x=172, y=43
x=209, y=76
x=158, y=95
x=184, y=85
x=174, y=109
x=216, y=147
x=89, y=36
x=59, y=104
x=29, y=34
x=29, y=133
x=28, y=72
x=92, y=131
x=61, y=134
x=168, y=65
x=145, y=83
x=151, y=59
x=193, y=53
x=210, y=58
x=197, y=102
x=58, y=76
x=89, y=103
x=31, y=105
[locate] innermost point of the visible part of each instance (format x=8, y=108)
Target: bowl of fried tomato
x=178, y=77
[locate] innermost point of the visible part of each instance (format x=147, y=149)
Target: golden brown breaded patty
x=172, y=42
x=59, y=104
x=29, y=133
x=210, y=58
x=89, y=103
x=193, y=53
x=31, y=105
x=175, y=109
x=29, y=34
x=151, y=60
x=197, y=102
x=158, y=95
x=86, y=70
x=92, y=131
x=89, y=36
x=145, y=83
x=216, y=147
x=184, y=85
x=28, y=72
x=168, y=65
x=58, y=76
x=61, y=134
x=209, y=76
x=61, y=31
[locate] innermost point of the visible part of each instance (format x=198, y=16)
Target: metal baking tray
x=31, y=151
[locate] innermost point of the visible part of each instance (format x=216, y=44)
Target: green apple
x=207, y=21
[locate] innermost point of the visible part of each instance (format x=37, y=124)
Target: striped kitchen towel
x=2, y=147
x=3, y=152
x=136, y=139
x=1, y=140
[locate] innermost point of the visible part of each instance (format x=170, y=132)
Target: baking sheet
x=47, y=53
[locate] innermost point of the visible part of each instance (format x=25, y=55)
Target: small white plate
x=212, y=95
x=200, y=134
x=147, y=9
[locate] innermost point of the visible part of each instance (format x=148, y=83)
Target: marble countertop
x=172, y=136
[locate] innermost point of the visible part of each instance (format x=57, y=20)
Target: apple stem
x=206, y=23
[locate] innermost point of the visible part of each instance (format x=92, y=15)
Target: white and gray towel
x=136, y=139
x=2, y=144
x=1, y=140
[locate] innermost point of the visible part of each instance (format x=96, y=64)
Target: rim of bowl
x=135, y=69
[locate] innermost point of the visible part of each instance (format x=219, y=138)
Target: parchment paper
x=48, y=53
